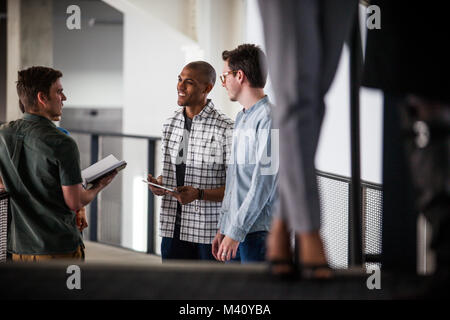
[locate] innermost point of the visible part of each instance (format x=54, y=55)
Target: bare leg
x=312, y=253
x=279, y=250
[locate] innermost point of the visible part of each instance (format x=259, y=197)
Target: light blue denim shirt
x=252, y=174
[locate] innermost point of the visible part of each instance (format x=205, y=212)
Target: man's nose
x=64, y=98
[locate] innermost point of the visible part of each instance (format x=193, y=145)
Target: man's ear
x=42, y=98
x=240, y=75
x=208, y=88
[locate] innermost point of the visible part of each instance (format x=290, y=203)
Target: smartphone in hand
x=158, y=186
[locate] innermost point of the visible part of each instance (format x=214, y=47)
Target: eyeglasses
x=223, y=76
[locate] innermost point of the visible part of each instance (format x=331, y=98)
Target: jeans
x=174, y=248
x=252, y=249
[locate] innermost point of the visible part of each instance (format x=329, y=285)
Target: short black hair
x=21, y=107
x=206, y=70
x=251, y=60
x=33, y=80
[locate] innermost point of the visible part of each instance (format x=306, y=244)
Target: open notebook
x=99, y=169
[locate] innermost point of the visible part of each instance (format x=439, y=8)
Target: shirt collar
x=37, y=118
x=262, y=101
x=206, y=111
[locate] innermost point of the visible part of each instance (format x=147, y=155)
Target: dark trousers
x=416, y=178
x=399, y=240
x=174, y=248
x=428, y=150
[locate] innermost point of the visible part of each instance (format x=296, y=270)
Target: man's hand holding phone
x=156, y=191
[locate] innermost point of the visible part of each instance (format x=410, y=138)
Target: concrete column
x=30, y=43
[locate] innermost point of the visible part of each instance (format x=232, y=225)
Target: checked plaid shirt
x=208, y=152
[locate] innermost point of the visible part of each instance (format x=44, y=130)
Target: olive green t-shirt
x=36, y=159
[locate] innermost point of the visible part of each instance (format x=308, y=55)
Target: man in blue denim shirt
x=252, y=173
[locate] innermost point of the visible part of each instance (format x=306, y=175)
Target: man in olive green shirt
x=40, y=168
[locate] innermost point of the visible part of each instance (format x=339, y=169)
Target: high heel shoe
x=315, y=271
x=295, y=271
x=290, y=270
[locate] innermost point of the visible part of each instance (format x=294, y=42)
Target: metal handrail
x=341, y=178
x=113, y=134
x=362, y=256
